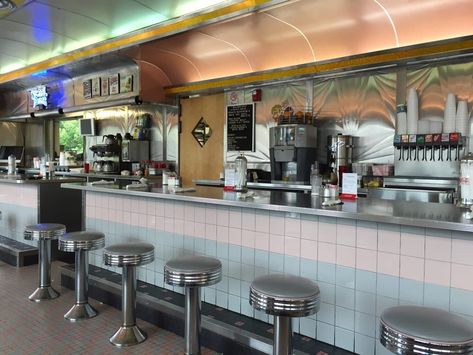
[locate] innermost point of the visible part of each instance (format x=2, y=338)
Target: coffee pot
x=109, y=139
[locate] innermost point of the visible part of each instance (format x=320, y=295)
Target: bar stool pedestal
x=44, y=233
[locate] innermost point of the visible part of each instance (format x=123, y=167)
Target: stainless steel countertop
x=258, y=185
x=20, y=179
x=419, y=214
x=106, y=176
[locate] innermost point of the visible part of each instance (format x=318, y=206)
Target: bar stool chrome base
x=43, y=294
x=128, y=336
x=80, y=311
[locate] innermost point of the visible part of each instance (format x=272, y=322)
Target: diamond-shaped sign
x=202, y=132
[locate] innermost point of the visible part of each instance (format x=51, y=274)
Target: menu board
x=241, y=127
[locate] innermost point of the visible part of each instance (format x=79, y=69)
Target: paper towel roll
x=412, y=111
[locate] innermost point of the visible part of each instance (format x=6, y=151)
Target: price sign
x=241, y=128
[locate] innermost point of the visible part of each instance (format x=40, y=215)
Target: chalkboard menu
x=240, y=128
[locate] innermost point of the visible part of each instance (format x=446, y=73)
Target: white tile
x=437, y=248
x=160, y=223
x=262, y=222
x=189, y=212
x=179, y=226
x=346, y=234
x=248, y=220
x=437, y=272
x=276, y=244
x=211, y=215
x=366, y=259
x=142, y=205
x=248, y=238
x=151, y=222
x=169, y=225
x=222, y=234
x=462, y=276
x=309, y=229
x=389, y=241
x=199, y=214
x=388, y=263
x=169, y=209
x=292, y=246
x=412, y=268
x=309, y=249
x=211, y=231
x=234, y=220
x=276, y=225
x=234, y=236
x=462, y=251
x=413, y=245
x=346, y=256
x=292, y=227
x=261, y=241
x=189, y=228
x=199, y=230
x=159, y=208
x=327, y=232
x=327, y=252
x=367, y=238
x=150, y=207
x=222, y=216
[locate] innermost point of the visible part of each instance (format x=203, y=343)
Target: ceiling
x=286, y=34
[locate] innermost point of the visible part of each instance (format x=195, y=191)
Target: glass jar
x=240, y=173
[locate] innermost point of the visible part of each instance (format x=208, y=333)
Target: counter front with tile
x=365, y=255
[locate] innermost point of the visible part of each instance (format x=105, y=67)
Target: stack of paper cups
x=412, y=111
x=423, y=126
x=435, y=125
x=401, y=119
x=449, y=116
x=462, y=119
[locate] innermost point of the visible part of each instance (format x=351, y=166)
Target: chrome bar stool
x=81, y=243
x=424, y=330
x=44, y=233
x=284, y=297
x=128, y=256
x=192, y=272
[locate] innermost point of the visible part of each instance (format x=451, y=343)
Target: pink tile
x=346, y=256
x=437, y=272
x=188, y=212
x=222, y=216
x=135, y=219
x=437, y=248
x=248, y=238
x=210, y=215
x=199, y=230
x=169, y=225
x=292, y=246
x=179, y=210
x=346, y=235
x=189, y=229
x=151, y=222
x=292, y=227
x=309, y=249
x=327, y=252
x=234, y=218
x=160, y=208
x=169, y=209
x=366, y=259
x=412, y=268
x=309, y=229
x=261, y=241
x=412, y=245
x=367, y=238
x=142, y=205
x=199, y=214
x=127, y=218
x=276, y=244
x=388, y=263
x=462, y=251
x=276, y=225
x=160, y=223
x=151, y=207
x=262, y=222
x=248, y=220
x=327, y=232
x=179, y=226
x=389, y=241
x=211, y=231
x=462, y=276
x=234, y=236
x=222, y=234
x=143, y=220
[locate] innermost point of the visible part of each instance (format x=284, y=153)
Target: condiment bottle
x=11, y=164
x=240, y=173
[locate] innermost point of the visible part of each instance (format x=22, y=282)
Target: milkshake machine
x=292, y=150
x=339, y=154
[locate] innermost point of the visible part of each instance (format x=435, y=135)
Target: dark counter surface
x=419, y=214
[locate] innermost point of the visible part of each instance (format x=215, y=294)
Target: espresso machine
x=339, y=154
x=292, y=150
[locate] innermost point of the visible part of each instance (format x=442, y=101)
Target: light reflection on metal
x=390, y=20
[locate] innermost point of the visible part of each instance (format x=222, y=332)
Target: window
x=69, y=136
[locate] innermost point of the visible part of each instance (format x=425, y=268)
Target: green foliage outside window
x=69, y=136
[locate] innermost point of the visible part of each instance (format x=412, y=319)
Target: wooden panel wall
x=198, y=162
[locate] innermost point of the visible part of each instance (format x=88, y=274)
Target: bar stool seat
x=192, y=272
x=284, y=296
x=43, y=233
x=80, y=243
x=128, y=256
x=424, y=330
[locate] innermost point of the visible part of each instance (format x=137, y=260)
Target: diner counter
x=20, y=179
x=418, y=214
x=258, y=185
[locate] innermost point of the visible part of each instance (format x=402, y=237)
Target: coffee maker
x=292, y=149
x=339, y=154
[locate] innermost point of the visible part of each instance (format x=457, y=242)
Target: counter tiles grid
x=361, y=267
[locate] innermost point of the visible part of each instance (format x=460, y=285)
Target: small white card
x=229, y=179
x=349, y=184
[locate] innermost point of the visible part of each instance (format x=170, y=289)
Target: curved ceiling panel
x=429, y=20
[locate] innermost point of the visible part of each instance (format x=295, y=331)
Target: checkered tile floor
x=39, y=328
